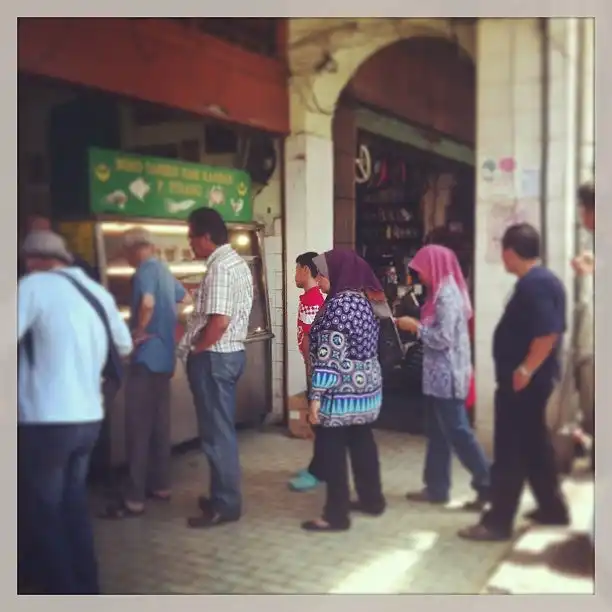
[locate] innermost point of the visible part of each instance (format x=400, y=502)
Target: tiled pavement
x=411, y=549
x=550, y=560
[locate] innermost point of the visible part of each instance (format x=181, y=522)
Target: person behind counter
x=447, y=368
x=213, y=348
x=346, y=387
x=63, y=348
x=155, y=294
x=311, y=302
x=38, y=222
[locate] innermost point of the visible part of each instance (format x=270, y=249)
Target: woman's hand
x=313, y=411
x=407, y=324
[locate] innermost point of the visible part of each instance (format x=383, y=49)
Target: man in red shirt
x=310, y=302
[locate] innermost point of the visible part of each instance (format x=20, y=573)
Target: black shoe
x=481, y=533
x=204, y=504
x=357, y=506
x=549, y=520
x=424, y=498
x=476, y=505
x=208, y=520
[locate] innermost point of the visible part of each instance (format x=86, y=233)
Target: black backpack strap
x=113, y=369
x=93, y=301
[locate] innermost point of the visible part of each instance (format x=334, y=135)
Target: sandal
x=319, y=525
x=119, y=511
x=157, y=497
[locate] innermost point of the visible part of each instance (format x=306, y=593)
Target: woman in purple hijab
x=346, y=387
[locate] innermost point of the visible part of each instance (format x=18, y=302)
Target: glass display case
x=100, y=242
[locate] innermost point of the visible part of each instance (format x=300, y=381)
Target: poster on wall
x=137, y=186
x=530, y=183
x=497, y=178
x=502, y=214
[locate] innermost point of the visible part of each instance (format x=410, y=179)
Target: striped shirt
x=226, y=289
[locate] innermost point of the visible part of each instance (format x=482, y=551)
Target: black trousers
x=316, y=465
x=358, y=440
x=523, y=454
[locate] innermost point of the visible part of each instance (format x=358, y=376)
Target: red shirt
x=310, y=302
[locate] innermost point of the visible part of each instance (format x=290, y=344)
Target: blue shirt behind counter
x=158, y=352
x=536, y=309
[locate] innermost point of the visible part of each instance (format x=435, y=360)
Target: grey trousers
x=147, y=431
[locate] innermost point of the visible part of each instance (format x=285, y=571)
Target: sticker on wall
x=507, y=164
x=488, y=170
x=504, y=213
x=530, y=183
x=498, y=178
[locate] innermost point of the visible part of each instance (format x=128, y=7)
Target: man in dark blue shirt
x=526, y=348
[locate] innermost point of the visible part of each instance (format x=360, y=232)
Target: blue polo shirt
x=536, y=309
x=158, y=352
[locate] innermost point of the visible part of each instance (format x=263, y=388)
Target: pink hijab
x=439, y=264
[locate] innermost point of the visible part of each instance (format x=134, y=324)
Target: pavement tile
x=410, y=549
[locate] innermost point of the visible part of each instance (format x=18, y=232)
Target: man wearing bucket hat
x=69, y=330
x=37, y=222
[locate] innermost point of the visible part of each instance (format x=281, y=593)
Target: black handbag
x=390, y=346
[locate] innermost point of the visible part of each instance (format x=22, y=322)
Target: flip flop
x=119, y=511
x=157, y=497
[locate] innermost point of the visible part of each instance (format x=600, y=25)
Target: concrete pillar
x=309, y=220
x=508, y=120
x=587, y=92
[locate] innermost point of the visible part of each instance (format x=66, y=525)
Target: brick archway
x=314, y=95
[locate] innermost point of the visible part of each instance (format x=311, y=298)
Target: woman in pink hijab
x=447, y=370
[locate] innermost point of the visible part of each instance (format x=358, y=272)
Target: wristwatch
x=524, y=371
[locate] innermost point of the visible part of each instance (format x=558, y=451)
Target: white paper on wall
x=504, y=212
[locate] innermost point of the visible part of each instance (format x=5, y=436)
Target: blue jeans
x=213, y=378
x=448, y=429
x=54, y=525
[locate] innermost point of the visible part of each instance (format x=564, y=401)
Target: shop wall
x=159, y=61
x=315, y=88
x=425, y=81
x=35, y=104
x=437, y=90
x=510, y=125
x=266, y=210
x=344, y=134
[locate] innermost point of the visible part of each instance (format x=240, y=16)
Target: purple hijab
x=347, y=271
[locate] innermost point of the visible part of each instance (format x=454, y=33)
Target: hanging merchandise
x=363, y=165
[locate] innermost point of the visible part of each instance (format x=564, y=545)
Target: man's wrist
x=525, y=371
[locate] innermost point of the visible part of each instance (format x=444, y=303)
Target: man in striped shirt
x=213, y=346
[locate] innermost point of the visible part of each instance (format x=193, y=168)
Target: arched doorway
x=320, y=180
x=408, y=115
